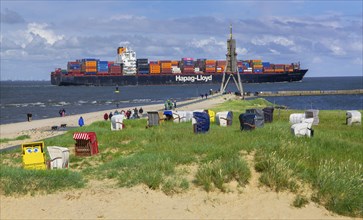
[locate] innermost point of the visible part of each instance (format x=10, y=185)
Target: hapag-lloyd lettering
x=182, y=78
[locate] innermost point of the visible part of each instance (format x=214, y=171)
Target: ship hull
x=171, y=79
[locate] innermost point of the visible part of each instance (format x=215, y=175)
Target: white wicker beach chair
x=304, y=128
x=59, y=157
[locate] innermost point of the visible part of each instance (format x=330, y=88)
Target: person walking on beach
x=29, y=116
x=141, y=110
x=105, y=116
x=174, y=104
x=110, y=115
x=128, y=114
x=136, y=113
x=206, y=95
x=80, y=122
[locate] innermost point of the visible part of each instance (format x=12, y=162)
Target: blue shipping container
x=143, y=71
x=266, y=64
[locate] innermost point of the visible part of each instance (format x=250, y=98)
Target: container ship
x=128, y=70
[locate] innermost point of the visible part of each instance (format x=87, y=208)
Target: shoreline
x=41, y=129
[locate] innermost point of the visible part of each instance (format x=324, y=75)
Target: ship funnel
x=121, y=50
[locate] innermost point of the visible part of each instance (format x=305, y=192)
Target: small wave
x=64, y=103
x=141, y=100
x=37, y=103
x=94, y=102
x=17, y=105
x=82, y=102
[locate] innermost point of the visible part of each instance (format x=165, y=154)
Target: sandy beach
x=40, y=129
x=103, y=200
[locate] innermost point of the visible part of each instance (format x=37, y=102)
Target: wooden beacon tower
x=231, y=66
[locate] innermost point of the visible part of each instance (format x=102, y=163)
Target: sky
x=39, y=36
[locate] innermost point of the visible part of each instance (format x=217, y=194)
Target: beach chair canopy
x=86, y=143
x=168, y=115
x=33, y=155
x=117, y=122
x=59, y=157
x=224, y=118
x=200, y=122
x=259, y=116
x=247, y=121
x=182, y=116
x=296, y=118
x=304, y=128
x=212, y=115
x=155, y=118
x=85, y=136
x=268, y=114
x=313, y=113
x=353, y=117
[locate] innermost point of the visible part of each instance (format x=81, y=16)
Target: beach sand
x=103, y=200
x=41, y=129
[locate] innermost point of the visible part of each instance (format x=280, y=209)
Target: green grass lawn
x=172, y=158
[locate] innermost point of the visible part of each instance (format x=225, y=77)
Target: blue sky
x=39, y=36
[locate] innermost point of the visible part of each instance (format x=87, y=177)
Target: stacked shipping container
x=210, y=66
x=165, y=66
x=154, y=67
x=221, y=64
x=142, y=66
x=102, y=67
x=185, y=66
x=89, y=66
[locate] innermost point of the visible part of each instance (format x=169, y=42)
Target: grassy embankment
x=326, y=169
x=22, y=137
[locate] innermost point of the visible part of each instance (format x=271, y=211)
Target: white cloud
x=268, y=39
x=43, y=31
x=241, y=51
x=358, y=61
x=317, y=60
x=203, y=43
x=274, y=51
x=126, y=17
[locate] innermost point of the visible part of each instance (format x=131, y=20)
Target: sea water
x=44, y=100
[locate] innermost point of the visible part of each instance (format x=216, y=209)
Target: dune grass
x=172, y=158
x=21, y=137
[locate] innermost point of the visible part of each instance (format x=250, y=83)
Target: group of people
x=134, y=114
x=205, y=95
x=62, y=112
x=170, y=104
x=128, y=114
